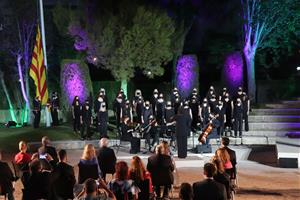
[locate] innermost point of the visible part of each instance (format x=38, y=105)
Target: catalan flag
x=38, y=70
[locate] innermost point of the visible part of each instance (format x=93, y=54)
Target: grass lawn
x=10, y=137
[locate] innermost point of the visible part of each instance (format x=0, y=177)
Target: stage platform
x=288, y=152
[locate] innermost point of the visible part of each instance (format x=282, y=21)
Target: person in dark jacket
x=46, y=148
x=76, y=111
x=209, y=189
x=224, y=144
x=63, y=178
x=102, y=115
x=36, y=111
x=55, y=108
x=161, y=167
x=106, y=158
x=183, y=124
x=160, y=110
x=86, y=120
x=117, y=108
x=6, y=179
x=238, y=117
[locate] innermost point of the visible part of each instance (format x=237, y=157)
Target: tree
x=267, y=24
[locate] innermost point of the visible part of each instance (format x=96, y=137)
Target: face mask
x=119, y=100
x=205, y=104
x=155, y=95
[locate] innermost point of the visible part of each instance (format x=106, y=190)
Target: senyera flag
x=38, y=70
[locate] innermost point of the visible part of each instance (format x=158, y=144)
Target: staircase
x=266, y=125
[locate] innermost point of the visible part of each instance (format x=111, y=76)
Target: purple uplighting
x=73, y=83
x=233, y=71
x=186, y=74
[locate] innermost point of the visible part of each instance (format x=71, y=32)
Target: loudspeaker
x=288, y=162
x=205, y=148
x=10, y=124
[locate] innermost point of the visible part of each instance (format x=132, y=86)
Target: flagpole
x=43, y=32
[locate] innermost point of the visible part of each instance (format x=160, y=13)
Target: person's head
x=165, y=147
x=218, y=164
x=225, y=141
x=159, y=149
x=138, y=92
x=22, y=146
x=209, y=170
x=147, y=104
x=223, y=155
x=240, y=90
x=35, y=166
x=121, y=171
x=103, y=142
x=137, y=169
x=62, y=155
x=88, y=152
x=186, y=191
x=45, y=141
x=90, y=187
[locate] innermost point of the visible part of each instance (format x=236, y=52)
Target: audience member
x=161, y=167
x=88, y=164
x=92, y=190
x=46, y=148
x=22, y=157
x=6, y=180
x=186, y=192
x=121, y=186
x=38, y=186
x=221, y=176
x=63, y=178
x=141, y=177
x=224, y=144
x=106, y=158
x=209, y=189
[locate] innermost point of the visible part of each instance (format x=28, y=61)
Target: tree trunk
x=251, y=77
x=124, y=86
x=11, y=109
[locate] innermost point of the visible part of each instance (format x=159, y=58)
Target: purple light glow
x=73, y=83
x=233, y=71
x=186, y=74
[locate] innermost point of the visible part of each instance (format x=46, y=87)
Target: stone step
x=274, y=118
x=282, y=106
x=275, y=133
x=249, y=140
x=297, y=102
x=274, y=126
x=279, y=111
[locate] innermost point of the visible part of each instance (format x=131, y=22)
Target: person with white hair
x=106, y=158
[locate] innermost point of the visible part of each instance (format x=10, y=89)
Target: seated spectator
x=38, y=186
x=209, y=189
x=92, y=190
x=186, y=192
x=223, y=155
x=161, y=167
x=6, y=179
x=121, y=186
x=221, y=176
x=46, y=148
x=106, y=158
x=63, y=178
x=22, y=158
x=88, y=164
x=141, y=177
x=224, y=144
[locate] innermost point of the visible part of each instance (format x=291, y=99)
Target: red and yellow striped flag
x=38, y=70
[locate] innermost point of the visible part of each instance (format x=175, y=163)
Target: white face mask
x=205, y=104
x=119, y=100
x=155, y=95
x=100, y=99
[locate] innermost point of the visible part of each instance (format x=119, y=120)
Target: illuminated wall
x=233, y=71
x=186, y=74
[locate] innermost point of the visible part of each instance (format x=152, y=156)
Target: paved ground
x=255, y=180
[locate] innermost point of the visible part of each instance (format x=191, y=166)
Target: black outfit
x=183, y=124
x=63, y=181
x=204, y=114
x=103, y=120
x=107, y=160
x=86, y=115
x=146, y=115
x=139, y=110
x=220, y=118
x=38, y=186
x=195, y=113
x=127, y=112
x=6, y=179
x=160, y=112
x=161, y=168
x=37, y=113
x=117, y=107
x=238, y=119
x=54, y=110
x=232, y=172
x=170, y=117
x=76, y=119
x=245, y=101
x=213, y=106
x=176, y=105
x=228, y=113
x=153, y=102
x=224, y=179
x=209, y=190
x=49, y=150
x=127, y=136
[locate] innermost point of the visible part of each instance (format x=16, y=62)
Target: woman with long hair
x=88, y=164
x=121, y=185
x=140, y=175
x=224, y=157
